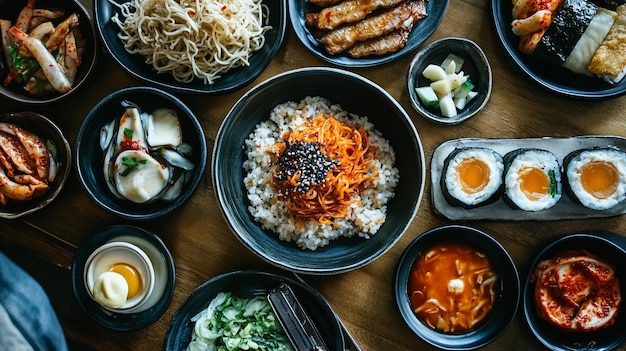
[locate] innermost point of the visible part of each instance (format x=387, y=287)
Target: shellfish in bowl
x=145, y=156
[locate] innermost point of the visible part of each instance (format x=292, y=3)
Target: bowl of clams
x=35, y=161
x=573, y=292
x=457, y=288
x=49, y=49
x=140, y=153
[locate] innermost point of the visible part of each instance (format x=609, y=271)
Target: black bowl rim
x=465, y=45
x=607, y=238
x=452, y=341
x=423, y=30
x=61, y=177
x=184, y=88
x=199, y=170
x=319, y=298
x=527, y=66
x=221, y=197
x=112, y=320
x=26, y=99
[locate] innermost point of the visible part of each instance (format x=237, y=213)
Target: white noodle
x=193, y=39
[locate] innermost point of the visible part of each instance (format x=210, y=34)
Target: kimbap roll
x=472, y=177
x=596, y=178
x=532, y=179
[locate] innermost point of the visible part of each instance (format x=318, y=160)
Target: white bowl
x=112, y=253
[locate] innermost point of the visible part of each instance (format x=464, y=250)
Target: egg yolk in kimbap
x=534, y=182
x=131, y=275
x=599, y=178
x=473, y=175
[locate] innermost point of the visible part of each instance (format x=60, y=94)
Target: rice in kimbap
x=597, y=177
x=532, y=179
x=472, y=177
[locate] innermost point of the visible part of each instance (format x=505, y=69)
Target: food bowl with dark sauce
x=463, y=265
x=584, y=309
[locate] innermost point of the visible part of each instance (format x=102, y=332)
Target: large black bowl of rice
x=254, y=158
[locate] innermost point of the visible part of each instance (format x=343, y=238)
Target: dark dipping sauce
x=452, y=287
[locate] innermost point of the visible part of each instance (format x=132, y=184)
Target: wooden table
x=203, y=246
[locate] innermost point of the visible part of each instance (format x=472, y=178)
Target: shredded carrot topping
x=349, y=150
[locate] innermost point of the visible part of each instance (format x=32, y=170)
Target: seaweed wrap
x=532, y=179
x=568, y=25
x=586, y=47
x=596, y=178
x=472, y=177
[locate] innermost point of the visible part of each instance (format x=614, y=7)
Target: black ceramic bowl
x=505, y=306
x=610, y=247
x=89, y=155
x=10, y=11
x=421, y=31
x=45, y=129
x=134, y=64
x=249, y=284
x=365, y=99
x=475, y=65
x=552, y=78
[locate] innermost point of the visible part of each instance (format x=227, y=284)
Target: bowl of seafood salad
x=140, y=153
x=233, y=308
x=48, y=49
x=317, y=170
x=36, y=161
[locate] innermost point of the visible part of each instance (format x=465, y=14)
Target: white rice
x=363, y=219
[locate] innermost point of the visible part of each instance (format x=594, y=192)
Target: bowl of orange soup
x=457, y=288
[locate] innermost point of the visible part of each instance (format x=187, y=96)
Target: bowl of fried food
x=140, y=153
x=457, y=288
x=35, y=162
x=315, y=180
x=573, y=292
x=48, y=49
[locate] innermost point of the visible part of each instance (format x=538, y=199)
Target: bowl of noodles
x=314, y=180
x=192, y=47
x=457, y=288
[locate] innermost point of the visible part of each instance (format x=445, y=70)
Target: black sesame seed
x=308, y=160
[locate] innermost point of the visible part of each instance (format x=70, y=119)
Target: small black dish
x=555, y=79
x=249, y=284
x=421, y=31
x=504, y=309
x=90, y=160
x=475, y=65
x=10, y=11
x=609, y=246
x=164, y=268
x=134, y=64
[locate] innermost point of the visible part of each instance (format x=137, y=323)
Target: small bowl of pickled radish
x=457, y=288
x=449, y=80
x=119, y=276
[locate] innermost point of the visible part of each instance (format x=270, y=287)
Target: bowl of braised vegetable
x=457, y=288
x=140, y=153
x=35, y=161
x=48, y=49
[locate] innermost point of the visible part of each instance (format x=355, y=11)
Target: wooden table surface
x=203, y=246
